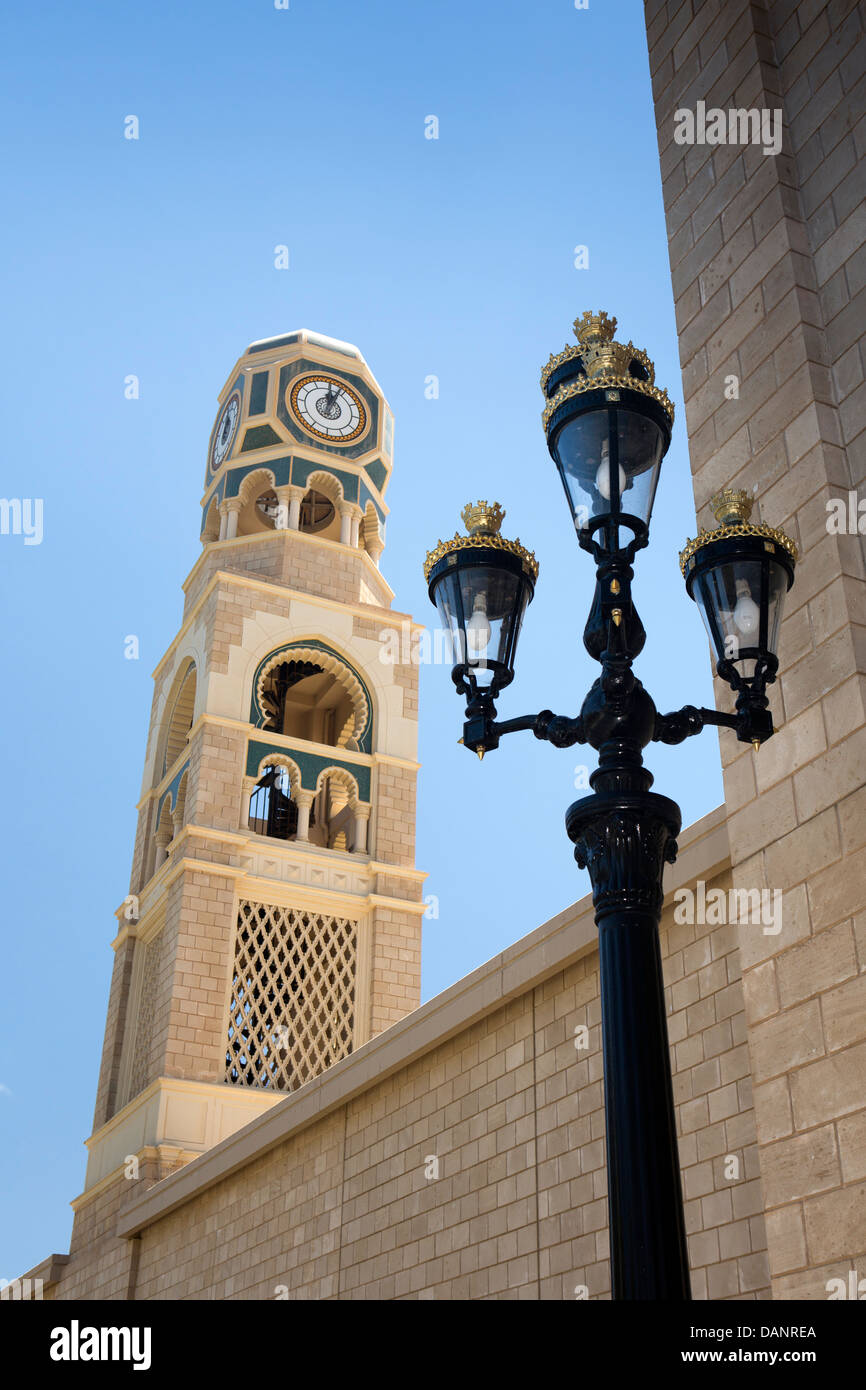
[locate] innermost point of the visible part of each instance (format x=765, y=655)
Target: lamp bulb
x=478, y=628
x=746, y=614
x=602, y=477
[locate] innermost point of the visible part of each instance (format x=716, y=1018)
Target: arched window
x=257, y=503
x=340, y=822
x=273, y=810
x=317, y=512
x=319, y=508
x=179, y=721
x=304, y=700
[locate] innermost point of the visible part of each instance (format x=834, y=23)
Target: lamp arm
x=558, y=729
x=482, y=732
x=683, y=723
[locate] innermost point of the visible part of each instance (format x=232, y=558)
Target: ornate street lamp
x=739, y=574
x=608, y=428
x=481, y=584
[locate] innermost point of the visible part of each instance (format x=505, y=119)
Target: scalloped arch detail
x=327, y=484
x=336, y=667
x=254, y=483
x=339, y=774
x=284, y=761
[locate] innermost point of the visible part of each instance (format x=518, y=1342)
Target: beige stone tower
x=274, y=917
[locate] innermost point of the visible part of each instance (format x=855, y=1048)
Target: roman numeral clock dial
x=328, y=409
x=224, y=433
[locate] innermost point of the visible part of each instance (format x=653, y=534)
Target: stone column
x=345, y=510
x=362, y=822
x=289, y=498
x=295, y=496
x=304, y=801
x=163, y=840
x=231, y=508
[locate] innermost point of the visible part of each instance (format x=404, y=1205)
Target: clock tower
x=273, y=922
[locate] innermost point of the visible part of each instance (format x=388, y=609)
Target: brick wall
x=395, y=986
x=767, y=267
x=297, y=561
x=395, y=798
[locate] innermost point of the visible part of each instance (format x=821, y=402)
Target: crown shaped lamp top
x=602, y=355
x=731, y=506
x=482, y=518
x=593, y=328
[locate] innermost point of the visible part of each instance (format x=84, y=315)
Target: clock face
x=328, y=408
x=225, y=430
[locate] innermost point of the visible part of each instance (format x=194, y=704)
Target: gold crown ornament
x=732, y=508
x=482, y=521
x=482, y=518
x=605, y=362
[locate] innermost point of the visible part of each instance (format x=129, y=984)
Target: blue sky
x=449, y=257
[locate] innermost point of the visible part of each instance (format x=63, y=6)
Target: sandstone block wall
x=767, y=264
x=475, y=1166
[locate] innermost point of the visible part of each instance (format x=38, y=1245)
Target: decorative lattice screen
x=146, y=1008
x=292, y=1008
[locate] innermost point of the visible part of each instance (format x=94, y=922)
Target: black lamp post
x=608, y=427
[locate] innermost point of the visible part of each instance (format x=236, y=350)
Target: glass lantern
x=739, y=574
x=608, y=428
x=481, y=585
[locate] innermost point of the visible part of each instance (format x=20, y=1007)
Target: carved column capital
x=624, y=841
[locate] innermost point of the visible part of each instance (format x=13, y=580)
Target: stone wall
x=767, y=264
x=461, y=1153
